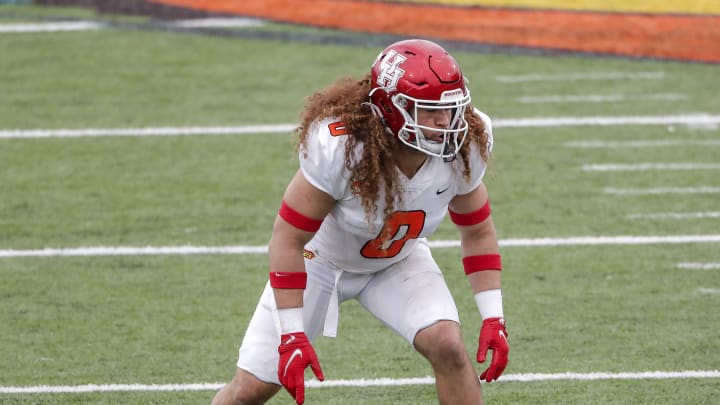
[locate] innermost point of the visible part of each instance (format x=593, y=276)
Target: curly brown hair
x=348, y=100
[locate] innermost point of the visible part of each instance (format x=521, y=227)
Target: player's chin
x=435, y=137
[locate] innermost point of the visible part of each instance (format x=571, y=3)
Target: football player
x=383, y=159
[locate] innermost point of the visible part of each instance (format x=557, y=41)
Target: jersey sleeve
x=477, y=164
x=322, y=159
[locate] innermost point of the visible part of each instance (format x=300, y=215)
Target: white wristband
x=291, y=320
x=489, y=302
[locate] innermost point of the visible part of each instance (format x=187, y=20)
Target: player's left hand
x=493, y=336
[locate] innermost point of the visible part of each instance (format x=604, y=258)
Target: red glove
x=493, y=336
x=296, y=354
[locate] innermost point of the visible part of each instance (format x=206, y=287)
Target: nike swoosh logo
x=294, y=354
x=292, y=339
x=502, y=335
x=438, y=192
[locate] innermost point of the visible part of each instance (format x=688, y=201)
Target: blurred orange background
x=674, y=30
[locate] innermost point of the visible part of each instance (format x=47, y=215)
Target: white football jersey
x=345, y=237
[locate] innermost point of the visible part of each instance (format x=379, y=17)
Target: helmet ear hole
x=383, y=101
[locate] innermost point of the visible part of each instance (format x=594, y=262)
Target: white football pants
x=407, y=297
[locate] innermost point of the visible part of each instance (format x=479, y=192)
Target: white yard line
x=148, y=131
x=244, y=249
x=698, y=266
x=218, y=23
x=696, y=119
x=708, y=291
x=580, y=76
x=135, y=251
x=638, y=167
x=375, y=382
x=676, y=215
x=693, y=119
x=663, y=190
x=22, y=28
x=659, y=143
x=600, y=98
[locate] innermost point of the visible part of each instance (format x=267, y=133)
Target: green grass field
x=68, y=321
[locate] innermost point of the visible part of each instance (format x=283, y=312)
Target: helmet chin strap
x=425, y=143
x=449, y=149
x=446, y=151
x=373, y=108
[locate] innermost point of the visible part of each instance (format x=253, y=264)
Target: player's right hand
x=296, y=354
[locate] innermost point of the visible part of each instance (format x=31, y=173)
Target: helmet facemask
x=424, y=138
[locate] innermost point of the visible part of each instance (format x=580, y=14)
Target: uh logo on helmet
x=416, y=74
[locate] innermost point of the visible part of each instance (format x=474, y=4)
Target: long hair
x=348, y=100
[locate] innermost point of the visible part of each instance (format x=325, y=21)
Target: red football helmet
x=414, y=75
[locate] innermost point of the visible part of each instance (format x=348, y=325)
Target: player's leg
x=456, y=379
x=413, y=299
x=256, y=379
x=245, y=389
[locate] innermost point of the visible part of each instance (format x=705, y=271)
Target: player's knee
x=245, y=389
x=442, y=345
x=239, y=396
x=450, y=354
